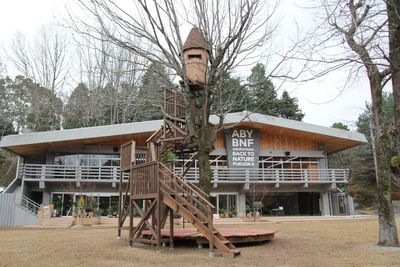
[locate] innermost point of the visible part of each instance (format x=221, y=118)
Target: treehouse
x=195, y=57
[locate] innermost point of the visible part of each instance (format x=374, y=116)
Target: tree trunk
x=387, y=224
x=393, y=9
x=205, y=171
x=199, y=131
x=203, y=156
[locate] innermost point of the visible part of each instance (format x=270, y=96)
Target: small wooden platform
x=234, y=235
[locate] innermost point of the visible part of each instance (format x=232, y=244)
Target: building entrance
x=225, y=204
x=303, y=203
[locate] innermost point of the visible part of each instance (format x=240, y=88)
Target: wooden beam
x=171, y=229
x=145, y=217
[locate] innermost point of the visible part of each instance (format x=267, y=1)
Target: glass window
x=227, y=203
x=88, y=160
x=222, y=203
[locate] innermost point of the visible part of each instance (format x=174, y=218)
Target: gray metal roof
x=150, y=126
x=80, y=133
x=246, y=116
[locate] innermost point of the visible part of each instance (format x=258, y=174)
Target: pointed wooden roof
x=195, y=39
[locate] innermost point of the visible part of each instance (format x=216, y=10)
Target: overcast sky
x=324, y=101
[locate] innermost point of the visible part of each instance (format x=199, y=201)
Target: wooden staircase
x=156, y=192
x=191, y=203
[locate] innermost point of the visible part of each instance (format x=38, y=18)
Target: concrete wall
x=242, y=203
x=324, y=204
x=350, y=205
x=23, y=217
x=334, y=204
x=12, y=215
x=46, y=198
x=7, y=210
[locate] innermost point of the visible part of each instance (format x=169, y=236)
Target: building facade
x=280, y=162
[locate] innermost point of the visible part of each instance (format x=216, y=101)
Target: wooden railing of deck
x=148, y=176
x=174, y=104
x=127, y=155
x=144, y=179
x=184, y=190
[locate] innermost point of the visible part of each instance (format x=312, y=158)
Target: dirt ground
x=307, y=243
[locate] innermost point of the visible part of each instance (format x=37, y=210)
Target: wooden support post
x=153, y=217
x=153, y=152
x=171, y=229
x=130, y=221
x=158, y=209
x=183, y=219
x=120, y=206
x=210, y=227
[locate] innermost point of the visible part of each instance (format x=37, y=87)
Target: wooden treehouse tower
x=154, y=190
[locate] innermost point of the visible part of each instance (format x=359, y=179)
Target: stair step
x=235, y=251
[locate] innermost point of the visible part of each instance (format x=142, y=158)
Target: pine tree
x=262, y=96
x=288, y=107
x=77, y=112
x=340, y=125
x=151, y=94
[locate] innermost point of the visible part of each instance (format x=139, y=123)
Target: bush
x=98, y=212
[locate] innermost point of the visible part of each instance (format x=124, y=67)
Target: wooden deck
x=234, y=235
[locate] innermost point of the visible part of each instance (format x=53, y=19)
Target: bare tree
x=255, y=197
x=114, y=75
x=45, y=60
x=234, y=31
x=3, y=67
x=393, y=13
x=354, y=35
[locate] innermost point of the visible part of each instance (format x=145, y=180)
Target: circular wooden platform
x=235, y=235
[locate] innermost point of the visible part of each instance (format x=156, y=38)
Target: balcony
x=68, y=173
x=221, y=174
x=271, y=176
x=290, y=170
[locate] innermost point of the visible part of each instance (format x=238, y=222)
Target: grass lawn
x=311, y=243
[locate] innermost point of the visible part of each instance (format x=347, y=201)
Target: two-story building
x=284, y=160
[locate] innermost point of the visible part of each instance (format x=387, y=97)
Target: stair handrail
x=29, y=204
x=202, y=195
x=205, y=209
x=198, y=190
x=194, y=187
x=188, y=164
